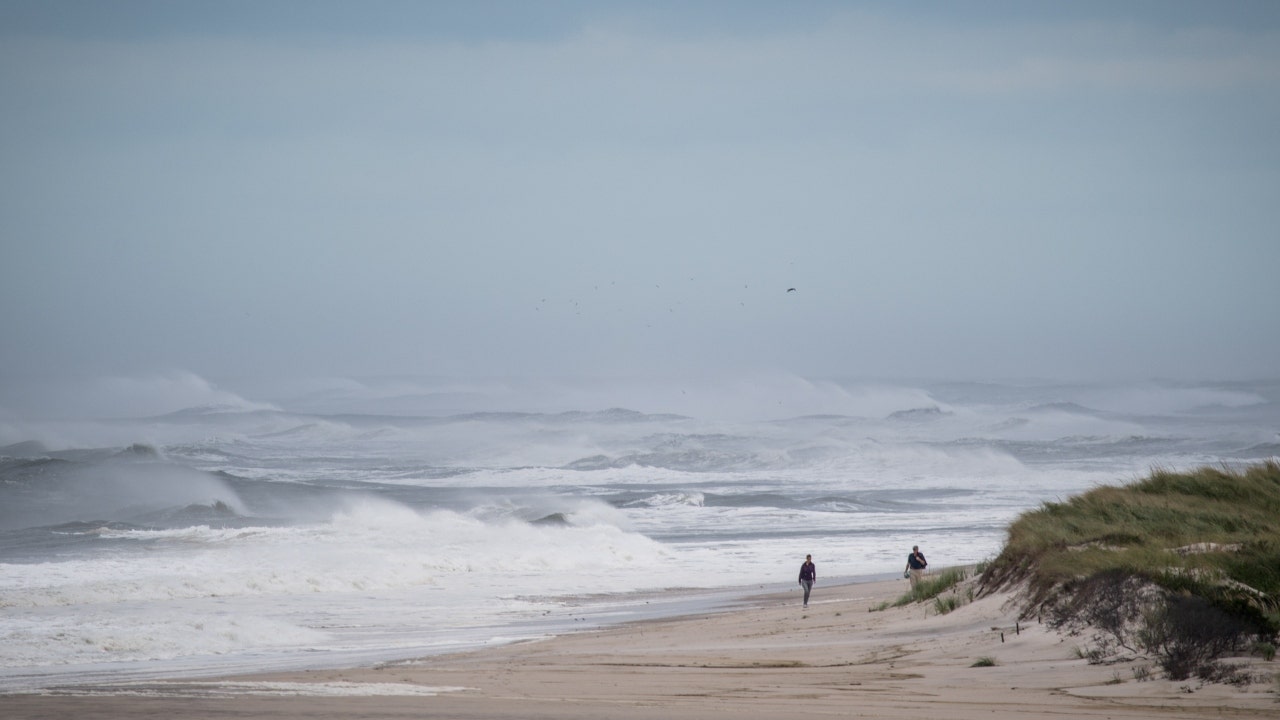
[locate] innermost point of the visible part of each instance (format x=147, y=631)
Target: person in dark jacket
x=808, y=576
x=916, y=565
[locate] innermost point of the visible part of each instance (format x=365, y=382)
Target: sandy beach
x=771, y=659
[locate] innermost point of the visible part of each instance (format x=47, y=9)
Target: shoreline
x=577, y=614
x=757, y=660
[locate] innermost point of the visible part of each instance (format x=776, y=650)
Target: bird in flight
x=791, y=289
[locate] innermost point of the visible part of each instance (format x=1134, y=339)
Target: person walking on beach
x=916, y=565
x=808, y=576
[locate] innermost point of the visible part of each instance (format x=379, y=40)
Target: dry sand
x=772, y=660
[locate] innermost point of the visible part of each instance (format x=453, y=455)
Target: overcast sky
x=603, y=189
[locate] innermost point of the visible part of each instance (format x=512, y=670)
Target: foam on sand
x=194, y=689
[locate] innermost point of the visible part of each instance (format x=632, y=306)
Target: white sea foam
x=668, y=499
x=196, y=689
x=131, y=632
x=377, y=575
x=374, y=545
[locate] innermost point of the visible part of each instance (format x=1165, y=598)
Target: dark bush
x=1111, y=602
x=1187, y=634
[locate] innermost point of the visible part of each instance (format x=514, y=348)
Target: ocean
x=364, y=524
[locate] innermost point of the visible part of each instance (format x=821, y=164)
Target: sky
x=955, y=190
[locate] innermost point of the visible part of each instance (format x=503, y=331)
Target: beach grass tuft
x=932, y=586
x=944, y=604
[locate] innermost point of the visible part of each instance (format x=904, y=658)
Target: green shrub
x=1266, y=650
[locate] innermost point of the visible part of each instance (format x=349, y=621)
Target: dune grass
x=1181, y=567
x=1211, y=532
x=944, y=604
x=931, y=587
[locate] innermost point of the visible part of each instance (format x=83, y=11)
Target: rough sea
x=366, y=524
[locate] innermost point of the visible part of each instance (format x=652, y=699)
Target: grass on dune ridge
x=1202, y=545
x=1209, y=528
